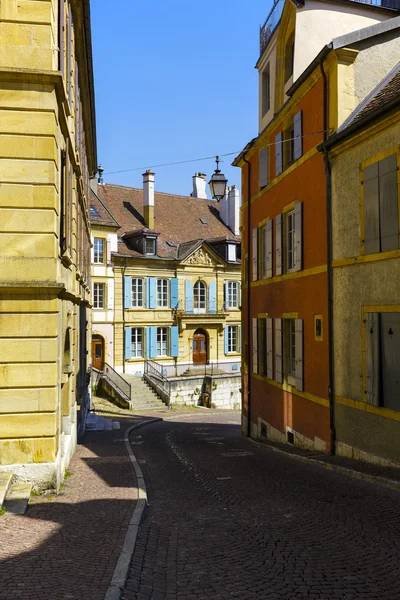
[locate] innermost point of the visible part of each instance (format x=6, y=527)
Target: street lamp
x=218, y=183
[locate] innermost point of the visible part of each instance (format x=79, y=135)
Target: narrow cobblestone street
x=231, y=519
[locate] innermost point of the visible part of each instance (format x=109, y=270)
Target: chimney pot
x=199, y=186
x=148, y=198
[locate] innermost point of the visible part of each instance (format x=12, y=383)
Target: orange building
x=304, y=68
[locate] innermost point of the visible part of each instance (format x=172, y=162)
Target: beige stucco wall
x=361, y=283
x=373, y=62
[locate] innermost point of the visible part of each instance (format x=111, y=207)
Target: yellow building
x=47, y=154
x=166, y=275
x=364, y=157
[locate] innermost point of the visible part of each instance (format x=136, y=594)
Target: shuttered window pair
x=381, y=206
x=192, y=303
x=289, y=144
x=382, y=335
x=158, y=341
x=232, y=339
x=288, y=350
x=150, y=292
x=232, y=294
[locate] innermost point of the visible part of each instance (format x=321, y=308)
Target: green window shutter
x=371, y=209
x=388, y=204
x=299, y=354
x=278, y=241
x=372, y=338
x=278, y=351
x=255, y=340
x=298, y=236
x=270, y=355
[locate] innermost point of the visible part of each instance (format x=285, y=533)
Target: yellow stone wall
x=41, y=286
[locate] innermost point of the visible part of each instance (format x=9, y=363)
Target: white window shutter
x=255, y=257
x=270, y=356
x=263, y=167
x=299, y=354
x=255, y=348
x=279, y=253
x=269, y=249
x=110, y=296
x=264, y=252
x=108, y=251
x=278, y=351
x=298, y=132
x=298, y=236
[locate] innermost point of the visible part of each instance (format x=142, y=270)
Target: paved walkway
x=229, y=519
x=67, y=546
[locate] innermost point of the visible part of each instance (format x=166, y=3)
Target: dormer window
x=149, y=246
x=231, y=252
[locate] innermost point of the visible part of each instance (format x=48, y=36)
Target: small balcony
x=194, y=309
x=272, y=21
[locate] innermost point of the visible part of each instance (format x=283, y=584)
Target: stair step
x=17, y=498
x=5, y=481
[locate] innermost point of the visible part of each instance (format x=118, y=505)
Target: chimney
x=199, y=185
x=234, y=210
x=101, y=171
x=223, y=208
x=148, y=198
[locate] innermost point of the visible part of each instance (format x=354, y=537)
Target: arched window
x=200, y=297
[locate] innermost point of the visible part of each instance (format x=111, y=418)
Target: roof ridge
x=128, y=187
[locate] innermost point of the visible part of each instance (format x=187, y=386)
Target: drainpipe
x=123, y=317
x=328, y=179
x=248, y=296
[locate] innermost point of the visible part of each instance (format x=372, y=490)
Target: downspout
x=123, y=317
x=248, y=295
x=328, y=180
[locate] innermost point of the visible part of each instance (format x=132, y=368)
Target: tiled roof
x=386, y=92
x=177, y=218
x=103, y=217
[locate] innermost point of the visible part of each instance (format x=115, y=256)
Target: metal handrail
x=211, y=308
x=155, y=372
x=117, y=380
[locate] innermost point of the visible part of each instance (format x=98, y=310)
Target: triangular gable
x=203, y=256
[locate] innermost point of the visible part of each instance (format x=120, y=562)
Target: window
x=149, y=246
x=137, y=293
x=261, y=345
x=137, y=342
x=291, y=343
x=288, y=145
x=382, y=332
x=381, y=206
x=231, y=253
x=289, y=58
x=233, y=338
x=289, y=352
x=266, y=91
x=98, y=251
x=93, y=212
x=232, y=294
x=162, y=341
x=162, y=293
x=203, y=220
x=289, y=252
x=199, y=297
x=98, y=295
x=263, y=167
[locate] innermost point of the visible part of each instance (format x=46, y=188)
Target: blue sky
x=175, y=80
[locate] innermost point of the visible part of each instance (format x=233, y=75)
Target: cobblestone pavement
x=67, y=546
x=230, y=519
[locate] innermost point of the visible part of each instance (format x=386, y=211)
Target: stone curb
x=377, y=479
x=116, y=587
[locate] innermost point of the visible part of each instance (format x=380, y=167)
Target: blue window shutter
x=148, y=350
x=298, y=140
x=226, y=295
x=128, y=341
x=188, y=296
x=174, y=293
x=226, y=339
x=151, y=292
x=174, y=341
x=153, y=342
x=212, y=297
x=127, y=292
x=278, y=153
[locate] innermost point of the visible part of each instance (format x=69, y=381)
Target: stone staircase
x=14, y=497
x=143, y=397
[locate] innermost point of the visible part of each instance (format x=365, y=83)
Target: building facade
x=365, y=159
x=47, y=154
x=310, y=80
x=166, y=279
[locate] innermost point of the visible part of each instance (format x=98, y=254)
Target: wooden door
x=199, y=348
x=97, y=354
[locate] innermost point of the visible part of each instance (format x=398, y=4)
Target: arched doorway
x=200, y=347
x=199, y=297
x=98, y=352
